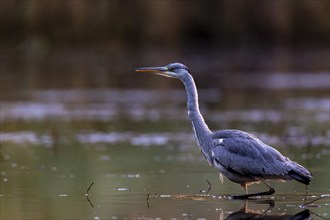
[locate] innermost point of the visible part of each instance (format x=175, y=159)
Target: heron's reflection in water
x=246, y=213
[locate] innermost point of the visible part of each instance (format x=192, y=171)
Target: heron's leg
x=269, y=186
x=244, y=206
x=244, y=187
x=247, y=196
x=271, y=206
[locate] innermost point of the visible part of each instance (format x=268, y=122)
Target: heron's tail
x=300, y=173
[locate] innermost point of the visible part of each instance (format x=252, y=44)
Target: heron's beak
x=163, y=71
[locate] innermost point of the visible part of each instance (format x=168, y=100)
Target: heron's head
x=174, y=70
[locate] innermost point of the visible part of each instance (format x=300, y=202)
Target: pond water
x=131, y=154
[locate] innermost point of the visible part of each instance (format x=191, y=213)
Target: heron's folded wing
x=249, y=156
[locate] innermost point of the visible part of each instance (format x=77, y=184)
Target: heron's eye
x=171, y=68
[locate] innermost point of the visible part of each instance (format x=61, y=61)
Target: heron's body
x=243, y=158
x=238, y=155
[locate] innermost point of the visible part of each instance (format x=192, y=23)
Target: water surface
x=138, y=150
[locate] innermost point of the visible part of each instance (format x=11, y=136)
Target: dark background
x=97, y=44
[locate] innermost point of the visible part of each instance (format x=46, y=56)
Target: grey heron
x=238, y=155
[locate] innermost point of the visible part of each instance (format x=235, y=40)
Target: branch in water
x=87, y=192
x=148, y=201
x=208, y=189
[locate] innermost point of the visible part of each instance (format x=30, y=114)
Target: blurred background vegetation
x=77, y=43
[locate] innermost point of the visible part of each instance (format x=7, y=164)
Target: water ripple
x=139, y=105
x=150, y=139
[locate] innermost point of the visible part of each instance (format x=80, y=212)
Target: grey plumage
x=248, y=159
x=238, y=155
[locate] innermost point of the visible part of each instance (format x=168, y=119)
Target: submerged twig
x=89, y=201
x=87, y=194
x=210, y=185
x=209, y=188
x=314, y=200
x=321, y=217
x=148, y=197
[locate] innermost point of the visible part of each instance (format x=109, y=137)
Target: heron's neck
x=200, y=127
